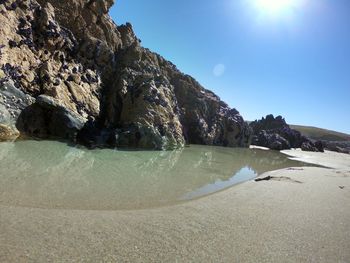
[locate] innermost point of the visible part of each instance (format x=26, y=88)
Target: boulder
x=270, y=140
x=46, y=118
x=312, y=146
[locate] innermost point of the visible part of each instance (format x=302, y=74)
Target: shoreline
x=300, y=215
x=324, y=159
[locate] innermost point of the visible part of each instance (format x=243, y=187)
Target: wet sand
x=300, y=215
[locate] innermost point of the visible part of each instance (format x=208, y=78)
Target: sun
x=275, y=6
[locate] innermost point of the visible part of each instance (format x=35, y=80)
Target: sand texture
x=299, y=215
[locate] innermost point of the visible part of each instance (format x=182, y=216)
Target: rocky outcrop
x=85, y=79
x=271, y=140
x=337, y=146
x=46, y=118
x=310, y=146
x=268, y=123
x=276, y=134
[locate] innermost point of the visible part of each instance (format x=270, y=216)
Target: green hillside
x=321, y=134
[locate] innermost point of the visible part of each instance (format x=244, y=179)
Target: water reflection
x=50, y=174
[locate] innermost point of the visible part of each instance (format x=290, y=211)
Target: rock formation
x=337, y=146
x=68, y=72
x=276, y=134
x=312, y=146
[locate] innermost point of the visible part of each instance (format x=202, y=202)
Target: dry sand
x=301, y=215
x=329, y=159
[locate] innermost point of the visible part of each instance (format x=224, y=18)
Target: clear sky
x=286, y=57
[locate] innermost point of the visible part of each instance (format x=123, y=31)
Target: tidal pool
x=53, y=175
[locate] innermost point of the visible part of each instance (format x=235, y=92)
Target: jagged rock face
x=191, y=112
x=85, y=79
x=39, y=57
x=276, y=134
x=312, y=146
x=268, y=123
x=271, y=140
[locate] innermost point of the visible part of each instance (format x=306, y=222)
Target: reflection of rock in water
x=52, y=175
x=264, y=161
x=159, y=162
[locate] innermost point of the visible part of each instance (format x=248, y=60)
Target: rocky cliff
x=68, y=72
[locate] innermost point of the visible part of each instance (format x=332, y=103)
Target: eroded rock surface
x=276, y=134
x=310, y=146
x=337, y=146
x=76, y=75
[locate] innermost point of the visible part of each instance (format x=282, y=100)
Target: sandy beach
x=300, y=215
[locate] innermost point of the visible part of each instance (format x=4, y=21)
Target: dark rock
x=25, y=32
x=268, y=123
x=47, y=119
x=13, y=73
x=319, y=146
x=28, y=42
x=312, y=146
x=142, y=136
x=267, y=129
x=12, y=44
x=337, y=146
x=267, y=178
x=94, y=135
x=273, y=141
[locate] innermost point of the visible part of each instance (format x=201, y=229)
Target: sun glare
x=275, y=6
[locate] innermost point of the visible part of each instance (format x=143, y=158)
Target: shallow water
x=49, y=174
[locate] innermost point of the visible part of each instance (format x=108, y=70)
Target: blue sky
x=294, y=61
